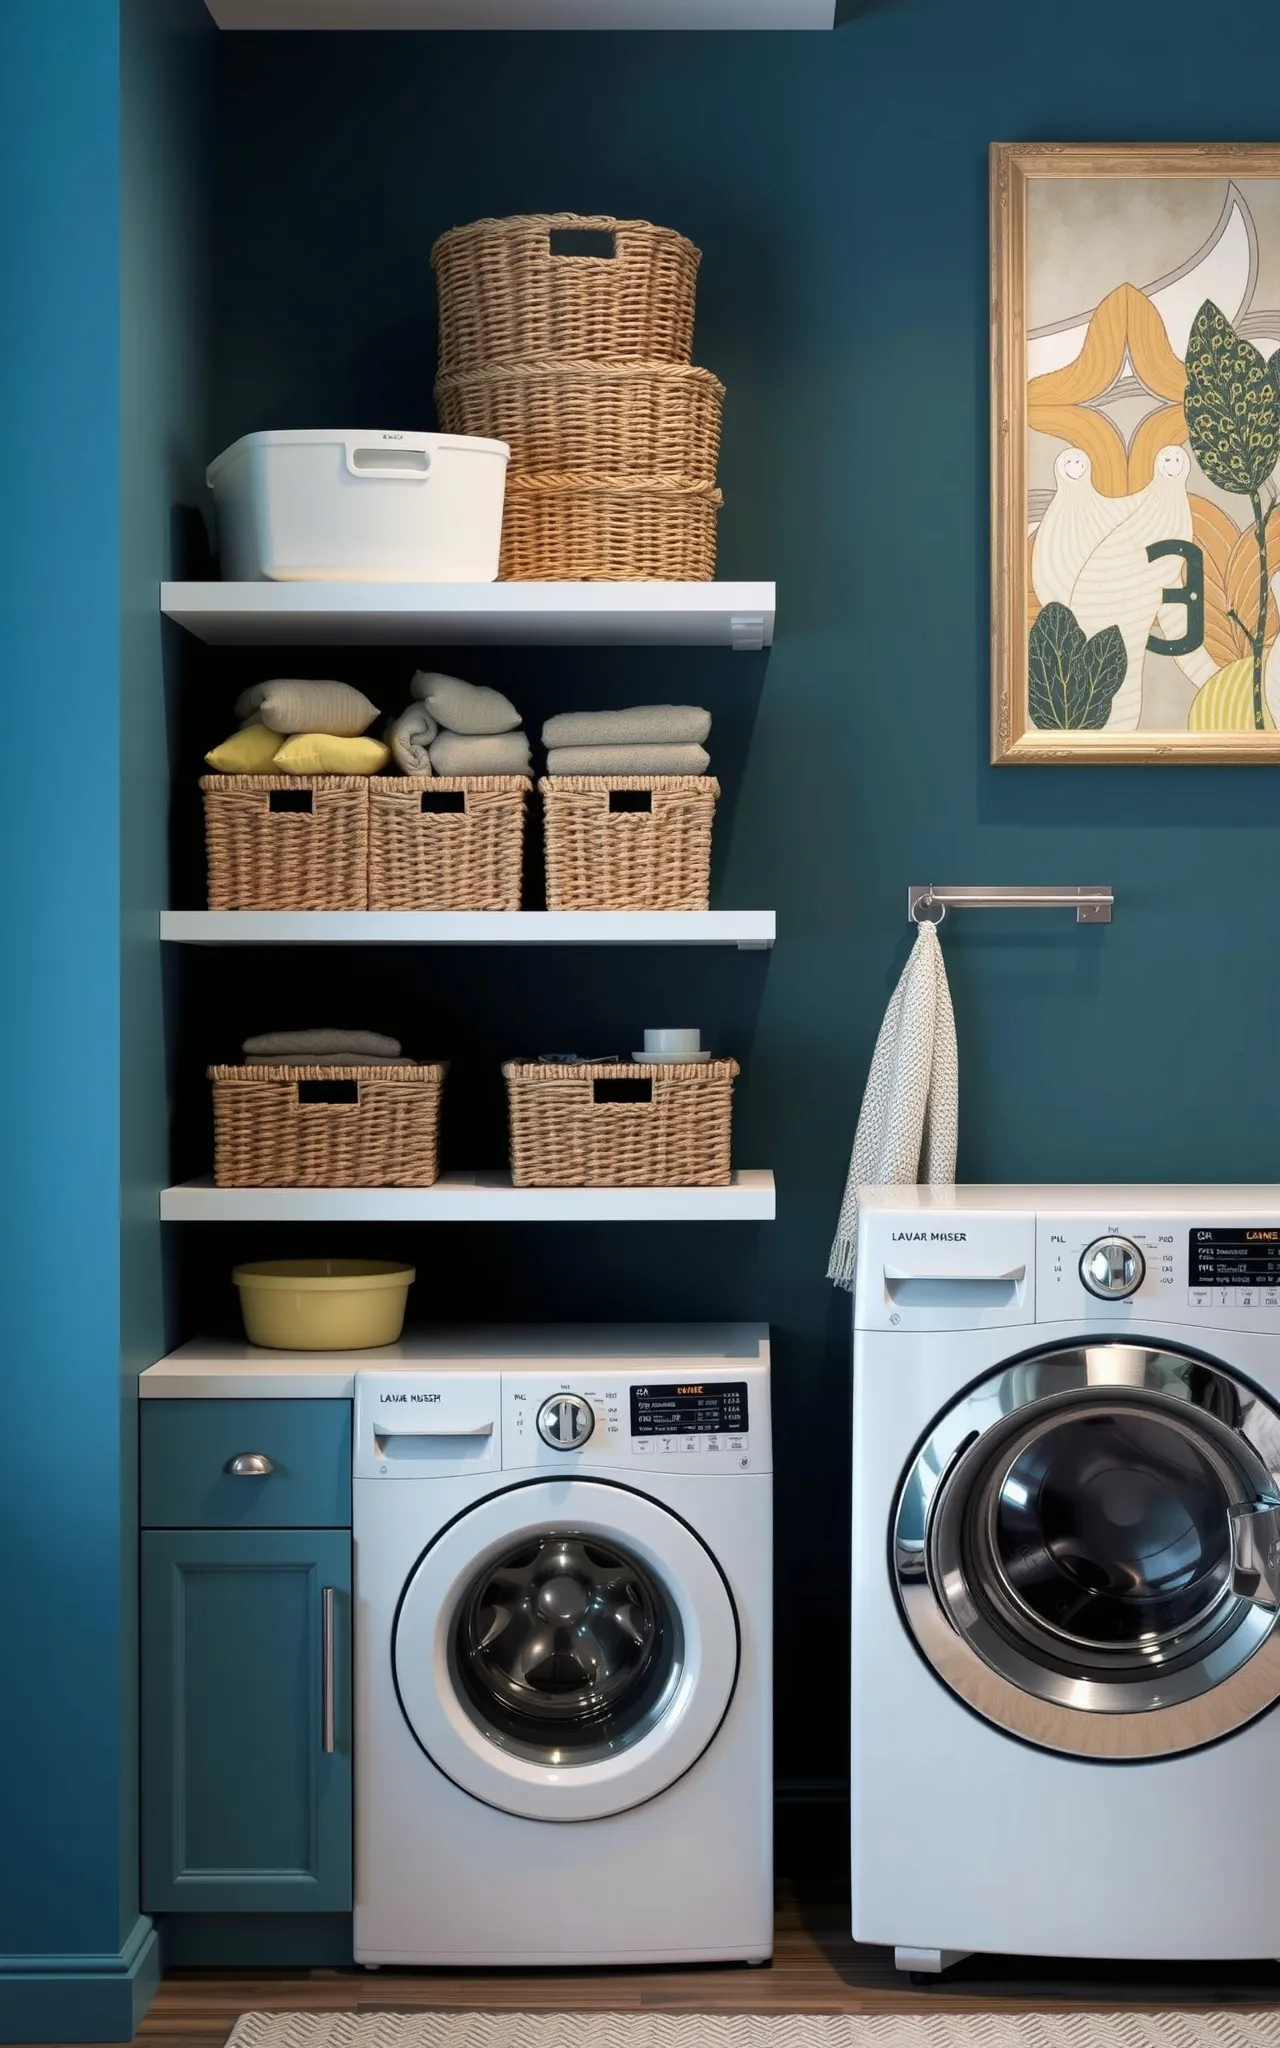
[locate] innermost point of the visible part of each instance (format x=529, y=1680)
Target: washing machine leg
x=928, y=1962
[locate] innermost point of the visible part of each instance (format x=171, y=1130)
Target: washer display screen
x=1235, y=1258
x=690, y=1408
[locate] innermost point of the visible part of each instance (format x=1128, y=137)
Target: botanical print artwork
x=1148, y=420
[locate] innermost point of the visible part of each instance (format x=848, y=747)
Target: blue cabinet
x=301, y=1449
x=246, y=1720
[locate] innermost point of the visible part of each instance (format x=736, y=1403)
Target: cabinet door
x=246, y=1720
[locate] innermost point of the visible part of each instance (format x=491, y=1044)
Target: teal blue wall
x=101, y=254
x=837, y=184
x=61, y=1736
x=166, y=94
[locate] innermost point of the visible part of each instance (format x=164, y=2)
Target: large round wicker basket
x=608, y=529
x=604, y=419
x=564, y=284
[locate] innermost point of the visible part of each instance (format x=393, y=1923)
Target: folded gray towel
x=501, y=753
x=288, y=706
x=331, y=1059
x=409, y=737
x=645, y=725
x=467, y=708
x=321, y=1044
x=628, y=761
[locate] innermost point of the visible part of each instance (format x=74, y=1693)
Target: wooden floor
x=816, y=1968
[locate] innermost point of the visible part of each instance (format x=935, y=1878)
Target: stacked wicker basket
x=580, y=361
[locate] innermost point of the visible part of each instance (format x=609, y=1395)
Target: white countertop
x=213, y=1369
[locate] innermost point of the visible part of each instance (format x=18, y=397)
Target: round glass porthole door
x=566, y=1651
x=567, y=1647
x=1087, y=1550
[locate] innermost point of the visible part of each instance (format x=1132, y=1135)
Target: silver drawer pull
x=249, y=1465
x=327, y=1731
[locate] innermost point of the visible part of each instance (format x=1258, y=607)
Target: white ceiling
x=525, y=14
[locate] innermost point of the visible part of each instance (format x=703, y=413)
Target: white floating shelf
x=472, y=1198
x=522, y=14
x=738, y=615
x=749, y=930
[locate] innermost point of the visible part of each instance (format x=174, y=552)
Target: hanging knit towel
x=907, y=1125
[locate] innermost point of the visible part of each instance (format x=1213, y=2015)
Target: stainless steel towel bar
x=1092, y=905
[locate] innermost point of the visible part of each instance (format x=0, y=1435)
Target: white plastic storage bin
x=328, y=505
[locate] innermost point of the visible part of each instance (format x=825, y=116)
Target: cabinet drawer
x=188, y=1445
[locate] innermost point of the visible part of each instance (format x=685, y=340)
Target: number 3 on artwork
x=1189, y=594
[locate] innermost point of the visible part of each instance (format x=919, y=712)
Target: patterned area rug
x=1235, y=2029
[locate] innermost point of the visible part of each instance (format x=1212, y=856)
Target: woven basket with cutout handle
x=633, y=1125
x=628, y=842
x=564, y=284
x=446, y=842
x=287, y=842
x=326, y=1126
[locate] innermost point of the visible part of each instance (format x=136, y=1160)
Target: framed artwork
x=1135, y=386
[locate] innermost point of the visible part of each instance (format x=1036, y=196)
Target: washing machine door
x=565, y=1650
x=1087, y=1551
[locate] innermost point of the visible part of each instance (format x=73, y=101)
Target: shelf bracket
x=746, y=632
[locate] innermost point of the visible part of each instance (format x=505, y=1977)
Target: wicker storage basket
x=632, y=1125
x=628, y=842
x=608, y=419
x=446, y=842
x=511, y=289
x=326, y=1127
x=578, y=528
x=287, y=842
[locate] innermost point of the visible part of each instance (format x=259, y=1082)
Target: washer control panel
x=1173, y=1269
x=708, y=1423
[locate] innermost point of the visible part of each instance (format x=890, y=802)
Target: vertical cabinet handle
x=327, y=1736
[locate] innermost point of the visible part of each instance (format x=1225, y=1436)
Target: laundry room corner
x=467, y=1564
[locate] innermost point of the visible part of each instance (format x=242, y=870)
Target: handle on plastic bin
x=404, y=458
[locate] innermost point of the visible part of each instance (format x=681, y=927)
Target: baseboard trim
x=248, y=1941
x=80, y=1997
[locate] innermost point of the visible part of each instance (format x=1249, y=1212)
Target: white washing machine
x=563, y=1564
x=1066, y=1569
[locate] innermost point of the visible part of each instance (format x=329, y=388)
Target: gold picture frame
x=1129, y=435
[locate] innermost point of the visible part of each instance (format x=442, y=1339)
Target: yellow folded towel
x=323, y=753
x=251, y=751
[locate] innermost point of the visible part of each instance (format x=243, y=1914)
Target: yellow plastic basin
x=323, y=1304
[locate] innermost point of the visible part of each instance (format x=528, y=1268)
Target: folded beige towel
x=467, y=708
x=409, y=737
x=288, y=706
x=502, y=753
x=643, y=725
x=322, y=1043
x=628, y=761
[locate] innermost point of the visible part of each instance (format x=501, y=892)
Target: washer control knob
x=1112, y=1268
x=565, y=1422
